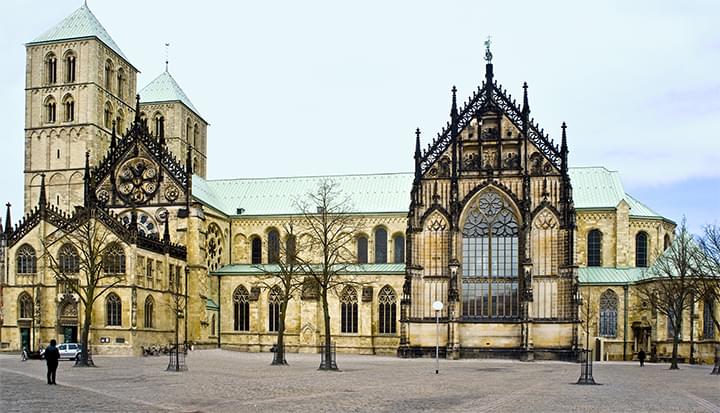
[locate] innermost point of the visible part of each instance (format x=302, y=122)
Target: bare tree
x=588, y=313
x=709, y=284
x=286, y=276
x=329, y=236
x=670, y=283
x=98, y=266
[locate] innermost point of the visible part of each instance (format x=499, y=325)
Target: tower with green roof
x=78, y=83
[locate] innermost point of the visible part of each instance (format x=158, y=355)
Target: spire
x=43, y=197
x=167, y=56
x=137, y=108
x=526, y=105
x=113, y=140
x=564, y=150
x=453, y=109
x=86, y=178
x=166, y=234
x=417, y=155
x=8, y=221
x=488, y=67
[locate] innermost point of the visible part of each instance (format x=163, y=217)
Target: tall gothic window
x=114, y=260
x=256, y=251
x=274, y=299
x=399, y=249
x=121, y=83
x=387, y=311
x=25, y=306
x=188, y=128
x=108, y=115
x=241, y=309
x=69, y=104
x=708, y=324
x=349, y=311
x=273, y=247
x=290, y=252
x=120, y=121
x=641, y=248
x=70, y=67
x=51, y=69
x=69, y=259
x=380, y=246
x=608, y=313
x=490, y=259
x=196, y=135
x=113, y=310
x=159, y=125
x=26, y=260
x=362, y=249
x=50, y=110
x=594, y=248
x=666, y=241
x=149, y=311
x=108, y=75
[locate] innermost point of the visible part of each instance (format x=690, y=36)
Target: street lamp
x=185, y=309
x=437, y=306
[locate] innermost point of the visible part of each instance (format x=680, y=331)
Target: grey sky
x=309, y=87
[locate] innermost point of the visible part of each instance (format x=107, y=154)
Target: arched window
x=490, y=266
x=69, y=259
x=380, y=246
x=274, y=300
x=120, y=121
x=256, y=253
x=51, y=69
x=121, y=83
x=594, y=248
x=25, y=306
x=666, y=242
x=387, y=311
x=149, y=308
x=708, y=324
x=50, y=110
x=349, y=311
x=113, y=310
x=159, y=125
x=108, y=115
x=188, y=131
x=69, y=104
x=290, y=249
x=108, y=75
x=241, y=309
x=608, y=313
x=273, y=247
x=196, y=136
x=399, y=249
x=26, y=260
x=114, y=260
x=362, y=249
x=69, y=67
x=641, y=248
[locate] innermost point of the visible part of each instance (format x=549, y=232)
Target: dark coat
x=641, y=355
x=52, y=355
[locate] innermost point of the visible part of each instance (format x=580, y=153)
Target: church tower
x=78, y=85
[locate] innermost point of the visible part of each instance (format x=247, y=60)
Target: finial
x=526, y=105
x=167, y=55
x=488, y=54
x=112, y=136
x=417, y=143
x=137, y=108
x=43, y=197
x=188, y=161
x=453, y=110
x=564, y=149
x=8, y=222
x=86, y=179
x=166, y=234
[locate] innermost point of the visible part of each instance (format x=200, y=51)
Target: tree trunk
x=279, y=356
x=85, y=360
x=676, y=339
x=716, y=368
x=328, y=338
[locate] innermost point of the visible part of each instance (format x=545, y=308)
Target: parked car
x=69, y=351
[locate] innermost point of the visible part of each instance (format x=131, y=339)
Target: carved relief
x=137, y=181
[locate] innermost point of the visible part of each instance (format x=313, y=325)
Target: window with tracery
x=594, y=248
x=381, y=246
x=256, y=251
x=26, y=260
x=490, y=259
x=608, y=313
x=708, y=324
x=241, y=309
x=25, y=306
x=399, y=249
x=387, y=311
x=273, y=247
x=274, y=300
x=113, y=310
x=641, y=249
x=149, y=311
x=114, y=260
x=362, y=249
x=69, y=259
x=214, y=247
x=349, y=311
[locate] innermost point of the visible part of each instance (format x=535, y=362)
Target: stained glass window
x=349, y=311
x=380, y=246
x=641, y=248
x=241, y=309
x=594, y=248
x=608, y=313
x=387, y=311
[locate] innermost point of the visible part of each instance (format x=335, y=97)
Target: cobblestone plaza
x=223, y=381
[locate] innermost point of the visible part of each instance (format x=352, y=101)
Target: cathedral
x=492, y=222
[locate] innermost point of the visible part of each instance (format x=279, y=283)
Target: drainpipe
x=625, y=330
x=219, y=320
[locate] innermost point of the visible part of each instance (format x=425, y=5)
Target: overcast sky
x=311, y=87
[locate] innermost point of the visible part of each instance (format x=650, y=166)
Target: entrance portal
x=25, y=338
x=70, y=334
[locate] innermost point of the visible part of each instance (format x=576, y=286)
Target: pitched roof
x=164, y=88
x=373, y=193
x=81, y=23
x=596, y=187
x=609, y=275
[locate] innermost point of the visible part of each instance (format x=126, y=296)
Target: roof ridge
x=164, y=88
x=307, y=176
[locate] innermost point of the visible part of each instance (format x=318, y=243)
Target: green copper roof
x=165, y=89
x=256, y=269
x=609, y=275
x=374, y=193
x=80, y=24
x=211, y=305
x=599, y=188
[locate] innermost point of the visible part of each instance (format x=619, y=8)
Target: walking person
x=641, y=357
x=52, y=355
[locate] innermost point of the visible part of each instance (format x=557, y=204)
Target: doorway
x=70, y=334
x=25, y=339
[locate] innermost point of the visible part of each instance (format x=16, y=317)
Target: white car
x=70, y=351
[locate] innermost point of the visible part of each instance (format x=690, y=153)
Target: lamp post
x=437, y=306
x=185, y=305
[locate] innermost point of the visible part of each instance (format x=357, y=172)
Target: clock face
x=137, y=181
